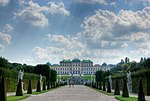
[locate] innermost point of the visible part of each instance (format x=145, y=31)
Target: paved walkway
x=76, y=93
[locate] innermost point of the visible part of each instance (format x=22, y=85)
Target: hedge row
x=11, y=77
x=144, y=75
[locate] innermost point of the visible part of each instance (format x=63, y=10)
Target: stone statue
x=110, y=80
x=129, y=77
x=40, y=78
x=20, y=75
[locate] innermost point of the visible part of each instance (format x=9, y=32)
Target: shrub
x=117, y=91
x=108, y=88
x=48, y=84
x=3, y=96
x=19, y=91
x=104, y=88
x=29, y=91
x=141, y=96
x=100, y=86
x=38, y=87
x=11, y=79
x=44, y=85
x=125, y=92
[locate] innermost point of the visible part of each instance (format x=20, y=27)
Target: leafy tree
x=42, y=69
x=3, y=63
x=125, y=90
x=3, y=96
x=117, y=90
x=28, y=68
x=146, y=63
x=141, y=96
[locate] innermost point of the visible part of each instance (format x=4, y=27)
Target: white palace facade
x=76, y=66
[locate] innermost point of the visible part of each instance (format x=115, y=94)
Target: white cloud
x=34, y=13
x=4, y=2
x=58, y=9
x=104, y=2
x=5, y=40
x=105, y=35
x=8, y=28
x=108, y=30
x=33, y=17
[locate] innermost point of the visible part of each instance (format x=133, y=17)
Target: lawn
x=88, y=77
x=120, y=98
x=16, y=98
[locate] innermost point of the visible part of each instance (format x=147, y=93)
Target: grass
x=120, y=98
x=16, y=98
x=88, y=77
x=43, y=91
x=104, y=92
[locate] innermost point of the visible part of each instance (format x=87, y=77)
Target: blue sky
x=38, y=31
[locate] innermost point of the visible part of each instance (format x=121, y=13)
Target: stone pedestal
x=22, y=86
x=129, y=87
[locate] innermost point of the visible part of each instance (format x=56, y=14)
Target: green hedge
x=142, y=74
x=11, y=77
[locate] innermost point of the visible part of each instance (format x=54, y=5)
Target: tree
x=29, y=91
x=44, y=70
x=3, y=63
x=3, y=96
x=125, y=92
x=99, y=78
x=141, y=96
x=19, y=91
x=117, y=90
x=108, y=88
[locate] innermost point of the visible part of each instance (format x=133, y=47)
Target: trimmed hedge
x=11, y=79
x=142, y=74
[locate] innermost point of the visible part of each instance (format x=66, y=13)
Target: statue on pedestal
x=110, y=80
x=129, y=84
x=129, y=77
x=20, y=75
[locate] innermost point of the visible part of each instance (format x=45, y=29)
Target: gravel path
x=76, y=93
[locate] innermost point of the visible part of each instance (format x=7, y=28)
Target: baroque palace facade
x=76, y=66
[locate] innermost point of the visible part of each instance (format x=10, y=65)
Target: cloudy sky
x=38, y=31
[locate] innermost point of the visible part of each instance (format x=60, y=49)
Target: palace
x=76, y=66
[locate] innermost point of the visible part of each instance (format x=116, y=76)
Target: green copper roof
x=76, y=60
x=87, y=61
x=65, y=61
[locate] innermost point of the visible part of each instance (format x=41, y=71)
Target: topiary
x=100, y=86
x=44, y=85
x=125, y=92
x=141, y=96
x=38, y=87
x=108, y=88
x=48, y=84
x=29, y=91
x=19, y=91
x=104, y=88
x=117, y=90
x=3, y=96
